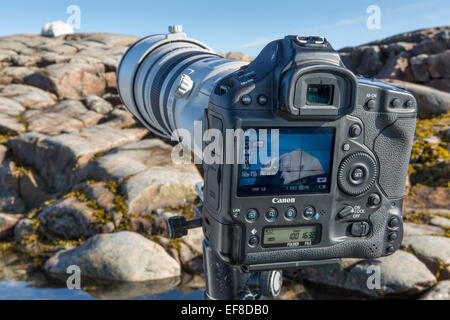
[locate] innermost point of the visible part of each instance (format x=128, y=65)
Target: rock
x=122, y=256
x=7, y=224
x=56, y=29
x=10, y=113
x=32, y=189
x=440, y=222
x=99, y=192
x=27, y=96
x=431, y=102
x=108, y=39
x=15, y=74
x=194, y=240
x=428, y=199
x=439, y=292
x=233, y=55
x=3, y=151
x=68, y=219
x=120, y=118
x=433, y=251
x=159, y=188
x=9, y=188
x=66, y=116
x=56, y=157
x=190, y=260
x=23, y=229
x=98, y=104
x=108, y=227
x=440, y=84
x=70, y=80
x=420, y=56
x=419, y=68
x=413, y=229
x=439, y=65
x=112, y=98
x=401, y=274
x=141, y=225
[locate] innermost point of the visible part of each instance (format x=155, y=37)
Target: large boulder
x=56, y=158
x=7, y=224
x=10, y=112
x=27, y=96
x=413, y=229
x=71, y=80
x=66, y=116
x=122, y=256
x=439, y=292
x=433, y=251
x=400, y=274
x=68, y=219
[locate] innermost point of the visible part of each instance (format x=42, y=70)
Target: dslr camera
x=330, y=180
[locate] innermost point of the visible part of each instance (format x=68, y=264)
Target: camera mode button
x=290, y=213
x=271, y=214
x=355, y=130
x=309, y=212
x=253, y=241
x=252, y=215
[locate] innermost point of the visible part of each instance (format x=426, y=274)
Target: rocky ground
x=82, y=183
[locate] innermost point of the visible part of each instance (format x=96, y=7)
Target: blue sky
x=232, y=25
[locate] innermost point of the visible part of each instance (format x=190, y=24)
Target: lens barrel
x=166, y=80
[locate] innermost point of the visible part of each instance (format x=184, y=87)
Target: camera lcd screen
x=291, y=236
x=301, y=165
x=319, y=94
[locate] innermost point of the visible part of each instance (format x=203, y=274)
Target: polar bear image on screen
x=293, y=166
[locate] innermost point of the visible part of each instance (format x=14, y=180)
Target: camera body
x=336, y=187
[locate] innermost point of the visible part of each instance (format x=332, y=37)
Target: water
x=23, y=277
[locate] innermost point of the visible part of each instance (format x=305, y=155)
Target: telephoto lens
x=166, y=81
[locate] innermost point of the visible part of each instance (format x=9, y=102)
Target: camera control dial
x=357, y=173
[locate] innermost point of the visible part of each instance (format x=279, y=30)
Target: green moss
x=4, y=137
x=429, y=161
x=112, y=186
x=23, y=121
x=174, y=244
x=33, y=213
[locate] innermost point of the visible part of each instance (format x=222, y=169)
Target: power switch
x=360, y=229
x=346, y=211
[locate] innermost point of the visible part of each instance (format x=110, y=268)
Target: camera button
x=290, y=213
x=262, y=100
x=374, y=199
x=271, y=214
x=252, y=215
x=355, y=130
x=309, y=212
x=346, y=147
x=358, y=174
x=371, y=104
x=246, y=99
x=394, y=222
x=393, y=236
x=390, y=249
x=253, y=241
x=396, y=103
